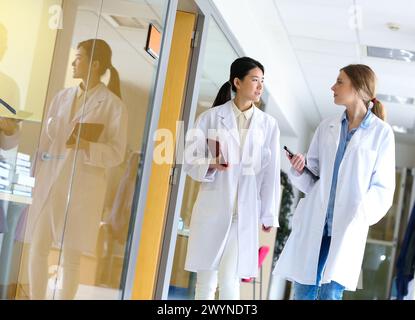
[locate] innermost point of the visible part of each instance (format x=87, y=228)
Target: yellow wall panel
x=27, y=40
x=158, y=193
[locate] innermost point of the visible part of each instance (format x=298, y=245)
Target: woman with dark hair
x=71, y=167
x=234, y=152
x=354, y=155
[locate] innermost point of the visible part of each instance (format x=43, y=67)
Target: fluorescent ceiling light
x=125, y=22
x=395, y=99
x=394, y=54
x=400, y=129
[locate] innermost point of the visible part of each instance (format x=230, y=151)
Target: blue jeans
x=327, y=291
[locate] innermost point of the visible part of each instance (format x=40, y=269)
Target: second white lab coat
x=365, y=188
x=75, y=205
x=256, y=173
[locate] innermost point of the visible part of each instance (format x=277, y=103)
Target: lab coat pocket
x=362, y=214
x=298, y=214
x=258, y=206
x=54, y=126
x=266, y=157
x=366, y=159
x=209, y=186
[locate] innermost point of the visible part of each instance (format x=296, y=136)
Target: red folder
x=214, y=147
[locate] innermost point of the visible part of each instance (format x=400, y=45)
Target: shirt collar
x=365, y=122
x=81, y=90
x=247, y=113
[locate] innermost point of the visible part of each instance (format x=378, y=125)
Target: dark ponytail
x=100, y=51
x=114, y=83
x=224, y=94
x=239, y=69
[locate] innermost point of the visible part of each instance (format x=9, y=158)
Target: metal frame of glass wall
x=207, y=11
x=144, y=169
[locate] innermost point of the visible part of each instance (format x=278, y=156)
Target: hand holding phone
x=291, y=154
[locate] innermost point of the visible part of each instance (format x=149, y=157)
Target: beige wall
x=28, y=58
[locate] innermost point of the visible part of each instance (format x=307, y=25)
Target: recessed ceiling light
x=393, y=26
x=125, y=22
x=394, y=54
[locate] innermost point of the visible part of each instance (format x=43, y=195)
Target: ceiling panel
x=335, y=48
x=311, y=19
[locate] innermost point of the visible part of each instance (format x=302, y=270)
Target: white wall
x=405, y=155
x=261, y=34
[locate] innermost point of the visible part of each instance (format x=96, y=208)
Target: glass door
x=83, y=90
x=99, y=212
x=28, y=34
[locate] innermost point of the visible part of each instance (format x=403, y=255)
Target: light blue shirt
x=345, y=137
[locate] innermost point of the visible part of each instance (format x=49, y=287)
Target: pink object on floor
x=262, y=254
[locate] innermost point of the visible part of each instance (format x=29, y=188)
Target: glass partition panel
x=82, y=81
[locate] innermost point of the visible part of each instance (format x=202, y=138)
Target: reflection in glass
x=25, y=60
x=72, y=239
x=384, y=244
x=98, y=144
x=9, y=90
x=375, y=269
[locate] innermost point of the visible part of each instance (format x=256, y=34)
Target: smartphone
x=291, y=154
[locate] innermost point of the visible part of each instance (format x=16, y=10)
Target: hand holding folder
x=216, y=151
x=89, y=132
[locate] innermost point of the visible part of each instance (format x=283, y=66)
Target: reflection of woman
x=233, y=200
x=354, y=155
x=71, y=179
x=9, y=90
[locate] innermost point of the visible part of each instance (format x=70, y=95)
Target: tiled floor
x=176, y=293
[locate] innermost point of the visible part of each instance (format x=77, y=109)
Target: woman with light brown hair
x=354, y=157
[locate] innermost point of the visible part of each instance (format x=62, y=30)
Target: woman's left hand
x=82, y=145
x=266, y=229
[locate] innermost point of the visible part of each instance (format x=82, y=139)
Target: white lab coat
x=365, y=188
x=258, y=178
x=53, y=176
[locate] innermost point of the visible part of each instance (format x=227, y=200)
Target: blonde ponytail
x=378, y=109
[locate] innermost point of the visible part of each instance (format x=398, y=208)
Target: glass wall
x=82, y=81
x=218, y=57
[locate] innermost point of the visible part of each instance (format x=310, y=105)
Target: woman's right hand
x=297, y=162
x=215, y=164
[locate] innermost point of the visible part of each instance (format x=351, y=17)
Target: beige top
x=243, y=120
x=79, y=99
